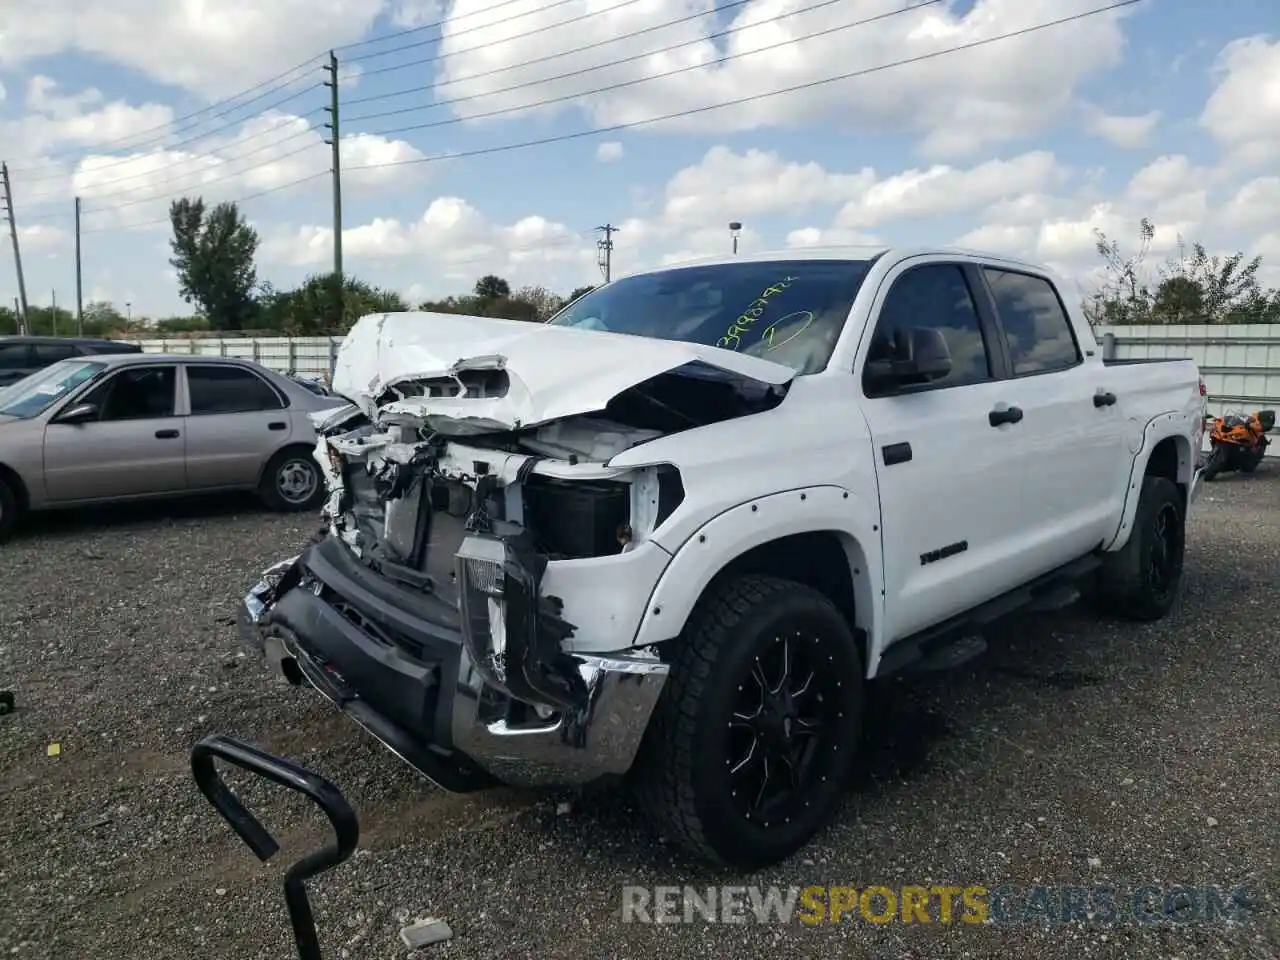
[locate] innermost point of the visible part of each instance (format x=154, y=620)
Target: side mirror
x=80, y=413
x=919, y=355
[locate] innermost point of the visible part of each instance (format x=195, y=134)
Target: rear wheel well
x=15, y=484
x=1166, y=461
x=818, y=559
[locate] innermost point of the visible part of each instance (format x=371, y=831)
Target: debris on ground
x=422, y=933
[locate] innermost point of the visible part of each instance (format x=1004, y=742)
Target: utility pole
x=17, y=253
x=53, y=312
x=604, y=248
x=734, y=229
x=335, y=142
x=79, y=287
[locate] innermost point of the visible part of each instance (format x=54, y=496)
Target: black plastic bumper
x=387, y=658
x=395, y=662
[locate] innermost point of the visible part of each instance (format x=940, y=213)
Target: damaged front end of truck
x=422, y=608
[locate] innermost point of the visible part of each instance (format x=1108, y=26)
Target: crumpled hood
x=554, y=372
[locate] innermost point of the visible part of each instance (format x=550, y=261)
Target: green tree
x=1178, y=299
x=322, y=305
x=1196, y=289
x=1125, y=295
x=579, y=292
x=543, y=301
x=490, y=287
x=213, y=252
x=1229, y=288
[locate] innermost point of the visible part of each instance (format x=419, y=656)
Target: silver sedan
x=135, y=426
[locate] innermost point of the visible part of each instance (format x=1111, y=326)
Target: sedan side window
x=53, y=352
x=144, y=393
x=14, y=356
x=935, y=296
x=227, y=389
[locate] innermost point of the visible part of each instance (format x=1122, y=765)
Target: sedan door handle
x=277, y=425
x=167, y=434
x=1103, y=399
x=1008, y=415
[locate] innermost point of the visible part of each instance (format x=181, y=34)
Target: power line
x=45, y=198
x=125, y=143
x=639, y=80
x=275, y=144
x=866, y=71
x=435, y=24
x=486, y=26
x=582, y=49
x=493, y=43
x=204, y=183
x=252, y=196
x=165, y=195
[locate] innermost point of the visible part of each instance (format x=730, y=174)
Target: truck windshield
x=788, y=311
x=34, y=394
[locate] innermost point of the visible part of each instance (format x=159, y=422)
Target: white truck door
x=1074, y=444
x=949, y=455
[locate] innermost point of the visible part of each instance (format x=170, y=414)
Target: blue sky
x=1164, y=109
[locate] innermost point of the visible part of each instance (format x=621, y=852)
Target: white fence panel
x=1240, y=363
x=308, y=356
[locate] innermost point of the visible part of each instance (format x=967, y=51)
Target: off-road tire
x=681, y=779
x=1126, y=587
x=1216, y=461
x=269, y=490
x=8, y=510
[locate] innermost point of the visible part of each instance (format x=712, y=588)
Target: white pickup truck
x=675, y=531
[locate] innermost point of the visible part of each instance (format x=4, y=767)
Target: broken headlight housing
x=512, y=635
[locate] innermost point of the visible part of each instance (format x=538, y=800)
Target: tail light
x=1204, y=391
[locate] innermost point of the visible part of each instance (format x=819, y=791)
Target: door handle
x=1103, y=399
x=277, y=425
x=167, y=434
x=1008, y=415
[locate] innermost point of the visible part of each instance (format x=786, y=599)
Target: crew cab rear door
x=1077, y=462
x=949, y=473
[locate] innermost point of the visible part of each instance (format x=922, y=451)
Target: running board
x=960, y=639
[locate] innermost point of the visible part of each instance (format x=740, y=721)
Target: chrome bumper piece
x=575, y=746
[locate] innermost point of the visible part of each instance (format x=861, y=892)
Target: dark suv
x=20, y=356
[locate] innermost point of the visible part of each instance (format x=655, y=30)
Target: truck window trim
x=993, y=340
x=1012, y=374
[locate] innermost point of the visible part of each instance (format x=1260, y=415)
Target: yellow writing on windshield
x=770, y=332
x=732, y=339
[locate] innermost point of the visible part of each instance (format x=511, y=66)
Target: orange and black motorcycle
x=1238, y=442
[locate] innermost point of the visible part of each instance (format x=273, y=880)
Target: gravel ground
x=1076, y=751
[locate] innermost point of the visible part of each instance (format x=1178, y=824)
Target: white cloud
x=1128, y=132
x=410, y=14
x=452, y=241
x=500, y=59
x=84, y=119
x=1243, y=113
x=1256, y=205
x=267, y=154
x=38, y=239
x=942, y=190
x=214, y=50
x=609, y=151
